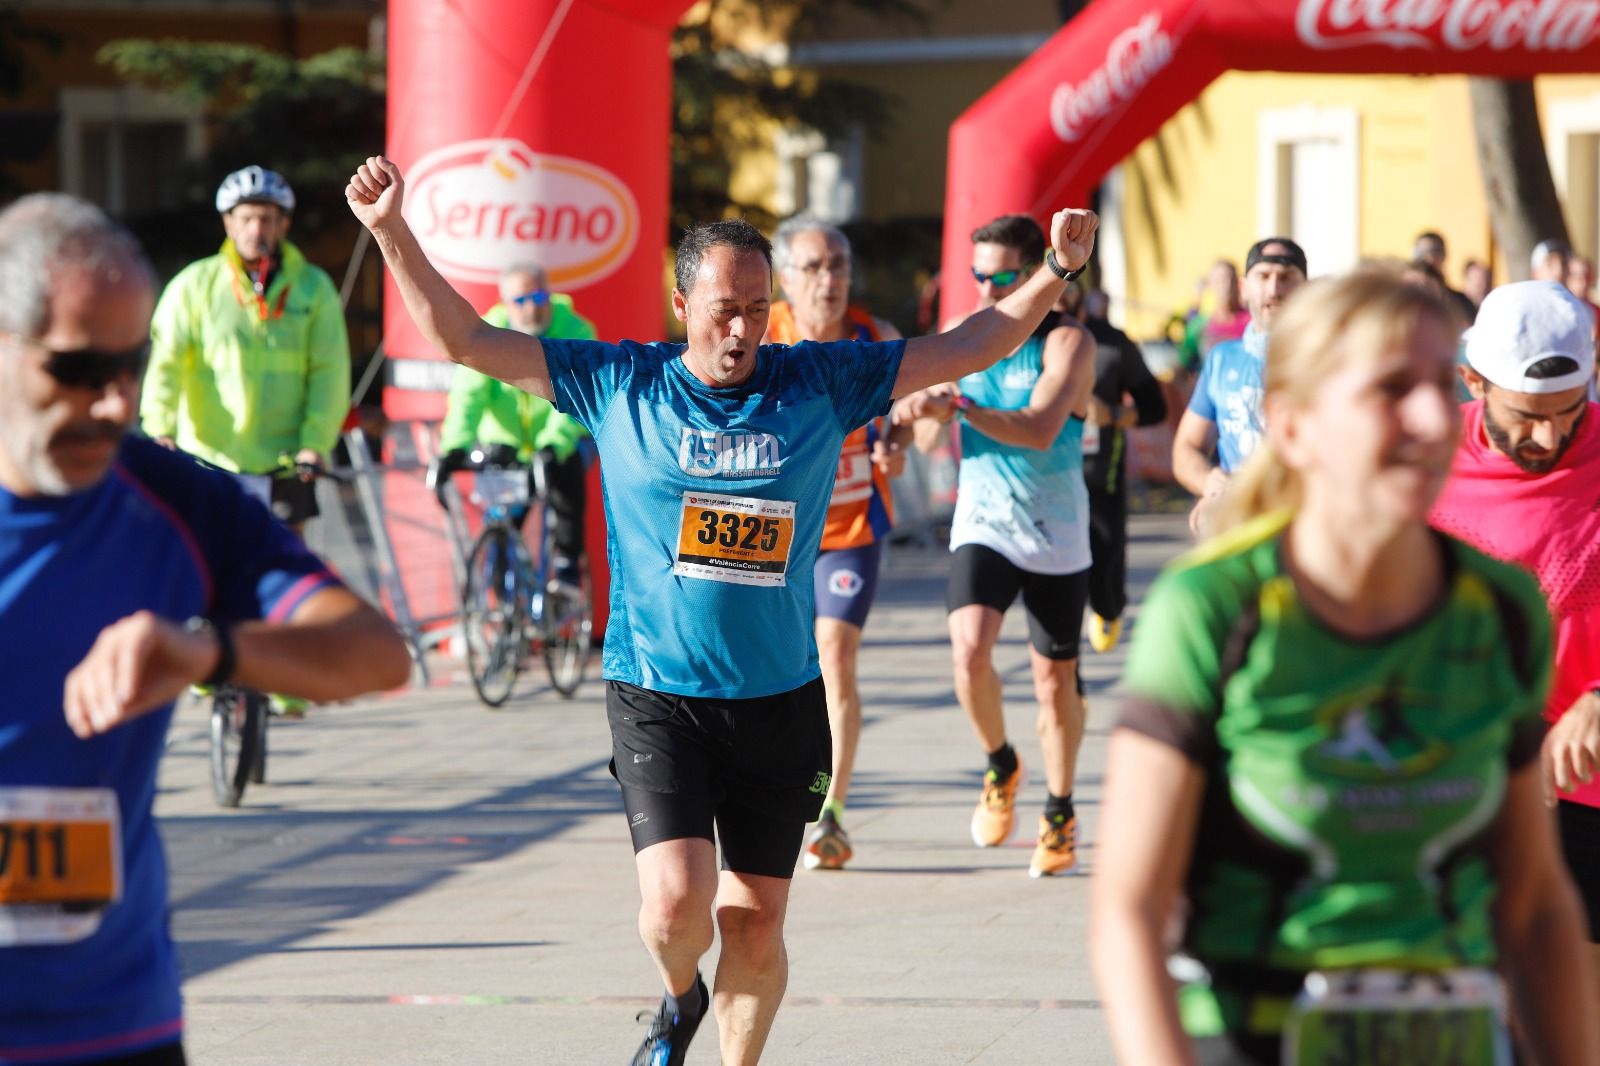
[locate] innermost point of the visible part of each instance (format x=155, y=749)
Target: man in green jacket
x=249, y=357
x=484, y=411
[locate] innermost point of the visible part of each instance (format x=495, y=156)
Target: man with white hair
x=127, y=573
x=1550, y=259
x=813, y=261
x=1524, y=487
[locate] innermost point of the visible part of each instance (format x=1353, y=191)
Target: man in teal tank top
x=1021, y=525
x=720, y=457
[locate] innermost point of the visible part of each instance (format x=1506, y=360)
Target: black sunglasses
x=91, y=368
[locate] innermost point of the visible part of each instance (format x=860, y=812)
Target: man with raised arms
x=721, y=456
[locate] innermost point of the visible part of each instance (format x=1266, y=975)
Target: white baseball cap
x=1523, y=323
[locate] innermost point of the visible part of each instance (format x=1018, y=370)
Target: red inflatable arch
x=531, y=130
x=1043, y=137
x=527, y=130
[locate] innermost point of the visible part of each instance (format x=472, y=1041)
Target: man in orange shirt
x=813, y=263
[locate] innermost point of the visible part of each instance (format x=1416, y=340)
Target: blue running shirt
x=715, y=500
x=1028, y=504
x=1229, y=394
x=161, y=534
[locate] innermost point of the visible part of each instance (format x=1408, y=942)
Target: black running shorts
x=1054, y=602
x=746, y=773
x=1580, y=843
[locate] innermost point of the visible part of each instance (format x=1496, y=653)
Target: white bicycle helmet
x=254, y=185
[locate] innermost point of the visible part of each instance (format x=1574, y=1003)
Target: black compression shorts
x=1054, y=602
x=746, y=773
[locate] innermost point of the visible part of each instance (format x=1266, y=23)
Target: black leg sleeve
x=568, y=486
x=1108, y=542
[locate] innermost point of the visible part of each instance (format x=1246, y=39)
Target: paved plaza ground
x=427, y=881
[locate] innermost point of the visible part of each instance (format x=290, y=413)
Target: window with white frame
x=819, y=176
x=1572, y=139
x=1309, y=183
x=125, y=148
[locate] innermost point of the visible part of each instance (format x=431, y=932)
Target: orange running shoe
x=995, y=817
x=1057, y=850
x=827, y=846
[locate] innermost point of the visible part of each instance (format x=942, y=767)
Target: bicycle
x=238, y=742
x=510, y=602
x=238, y=731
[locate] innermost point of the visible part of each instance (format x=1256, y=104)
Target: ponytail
x=1263, y=485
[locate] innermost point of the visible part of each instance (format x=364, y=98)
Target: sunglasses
x=538, y=298
x=90, y=368
x=1000, y=278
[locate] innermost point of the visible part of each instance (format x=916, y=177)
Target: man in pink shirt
x=1525, y=487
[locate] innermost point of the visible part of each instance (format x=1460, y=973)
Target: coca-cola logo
x=1458, y=25
x=1136, y=55
x=480, y=206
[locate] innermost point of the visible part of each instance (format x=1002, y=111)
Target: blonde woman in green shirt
x=483, y=411
x=1328, y=758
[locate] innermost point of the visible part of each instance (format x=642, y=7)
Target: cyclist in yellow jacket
x=249, y=357
x=486, y=412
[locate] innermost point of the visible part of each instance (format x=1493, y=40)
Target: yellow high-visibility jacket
x=237, y=379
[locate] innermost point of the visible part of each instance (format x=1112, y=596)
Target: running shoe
x=667, y=1042
x=995, y=818
x=827, y=846
x=1103, y=633
x=287, y=706
x=1057, y=850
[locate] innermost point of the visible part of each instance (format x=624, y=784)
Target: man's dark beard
x=1502, y=443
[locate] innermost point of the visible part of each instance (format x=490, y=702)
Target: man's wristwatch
x=962, y=403
x=226, y=656
x=1060, y=271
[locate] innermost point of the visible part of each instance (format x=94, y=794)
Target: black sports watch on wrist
x=1060, y=271
x=227, y=658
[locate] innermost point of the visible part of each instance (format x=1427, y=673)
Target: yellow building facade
x=1353, y=167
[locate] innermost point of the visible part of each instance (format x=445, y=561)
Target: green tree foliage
x=313, y=120
x=24, y=135
x=723, y=98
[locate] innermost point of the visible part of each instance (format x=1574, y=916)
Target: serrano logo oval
x=480, y=206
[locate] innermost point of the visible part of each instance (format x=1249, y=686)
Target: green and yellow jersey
x=1350, y=783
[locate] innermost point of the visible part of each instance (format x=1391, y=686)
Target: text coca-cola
x=1135, y=56
x=1457, y=25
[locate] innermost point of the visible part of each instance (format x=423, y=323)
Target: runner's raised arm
x=443, y=315
x=991, y=334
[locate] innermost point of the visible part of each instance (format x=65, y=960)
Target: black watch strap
x=1060, y=271
x=227, y=658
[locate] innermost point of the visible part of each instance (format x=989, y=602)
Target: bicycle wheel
x=490, y=615
x=258, y=765
x=238, y=719
x=566, y=628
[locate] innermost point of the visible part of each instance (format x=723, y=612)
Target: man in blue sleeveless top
x=107, y=545
x=720, y=458
x=1021, y=525
x=1224, y=418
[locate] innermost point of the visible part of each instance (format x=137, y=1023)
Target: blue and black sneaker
x=667, y=1042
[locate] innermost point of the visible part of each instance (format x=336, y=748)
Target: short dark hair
x=1422, y=266
x=1014, y=231
x=1429, y=236
x=697, y=240
x=1550, y=367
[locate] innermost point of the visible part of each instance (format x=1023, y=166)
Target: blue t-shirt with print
x=1229, y=394
x=715, y=500
x=162, y=534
